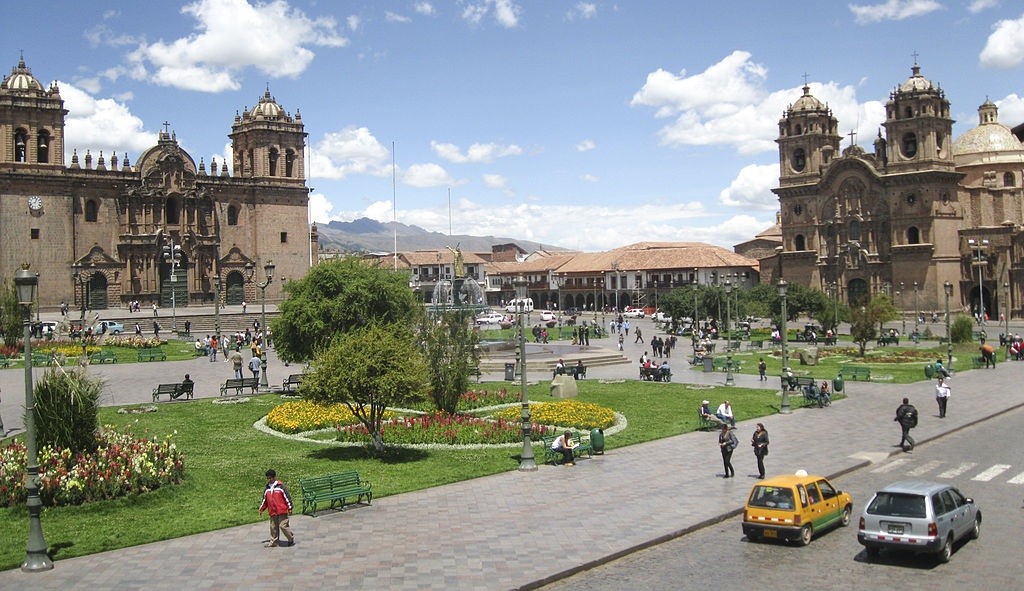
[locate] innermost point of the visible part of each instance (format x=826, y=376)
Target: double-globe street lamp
x=216, y=307
x=36, y=558
x=784, y=408
x=526, y=460
x=172, y=255
x=979, y=262
x=83, y=277
x=729, y=379
x=268, y=270
x=948, y=288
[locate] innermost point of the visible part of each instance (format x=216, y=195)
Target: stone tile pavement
x=508, y=531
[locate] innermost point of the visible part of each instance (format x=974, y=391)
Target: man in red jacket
x=277, y=503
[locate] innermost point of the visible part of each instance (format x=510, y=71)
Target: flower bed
x=444, y=429
x=565, y=413
x=301, y=415
x=472, y=399
x=121, y=466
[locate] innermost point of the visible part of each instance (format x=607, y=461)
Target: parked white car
x=548, y=316
x=490, y=318
x=633, y=313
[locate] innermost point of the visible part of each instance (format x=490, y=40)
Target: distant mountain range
x=366, y=235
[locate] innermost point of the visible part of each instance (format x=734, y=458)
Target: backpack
x=910, y=416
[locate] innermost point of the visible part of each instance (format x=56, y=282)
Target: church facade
x=103, y=231
x=921, y=211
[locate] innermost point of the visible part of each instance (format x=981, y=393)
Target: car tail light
x=861, y=524
x=796, y=519
x=933, y=530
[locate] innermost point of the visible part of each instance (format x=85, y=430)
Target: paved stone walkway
x=505, y=531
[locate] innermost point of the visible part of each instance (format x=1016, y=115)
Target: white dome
x=267, y=108
x=21, y=78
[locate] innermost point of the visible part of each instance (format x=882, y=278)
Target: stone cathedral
x=97, y=230
x=922, y=210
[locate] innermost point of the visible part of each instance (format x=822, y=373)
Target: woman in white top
x=565, y=445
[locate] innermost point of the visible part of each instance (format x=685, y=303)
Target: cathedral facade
x=103, y=231
x=923, y=210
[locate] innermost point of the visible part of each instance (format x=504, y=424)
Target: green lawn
x=226, y=457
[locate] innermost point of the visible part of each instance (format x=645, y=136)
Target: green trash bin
x=597, y=440
x=510, y=372
x=837, y=383
x=929, y=371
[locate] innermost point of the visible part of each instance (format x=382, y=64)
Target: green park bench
x=655, y=374
x=293, y=380
x=721, y=364
x=103, y=356
x=239, y=384
x=42, y=360
x=755, y=345
x=855, y=372
x=796, y=383
x=553, y=456
x=888, y=340
x=174, y=391
x=4, y=361
x=708, y=422
x=152, y=354
x=335, y=488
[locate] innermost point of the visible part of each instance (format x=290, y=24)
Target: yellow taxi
x=794, y=507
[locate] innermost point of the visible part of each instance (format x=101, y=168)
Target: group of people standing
x=728, y=442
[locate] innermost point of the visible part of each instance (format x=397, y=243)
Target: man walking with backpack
x=906, y=416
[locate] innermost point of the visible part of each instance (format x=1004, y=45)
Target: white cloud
x=101, y=125
x=583, y=10
x=979, y=5
x=475, y=153
x=424, y=8
x=353, y=22
x=752, y=188
x=353, y=150
x=391, y=17
x=1005, y=46
x=213, y=59
x=427, y=175
x=319, y=208
x=1011, y=110
x=505, y=12
x=728, y=104
x=589, y=178
x=497, y=181
x=585, y=146
x=892, y=10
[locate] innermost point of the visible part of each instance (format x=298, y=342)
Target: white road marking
x=992, y=472
x=889, y=467
x=1018, y=479
x=925, y=468
x=954, y=472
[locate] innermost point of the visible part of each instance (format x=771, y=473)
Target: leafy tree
x=66, y=407
x=369, y=369
x=835, y=311
x=864, y=319
x=450, y=346
x=962, y=329
x=11, y=328
x=338, y=296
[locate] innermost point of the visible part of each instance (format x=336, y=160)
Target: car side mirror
x=969, y=501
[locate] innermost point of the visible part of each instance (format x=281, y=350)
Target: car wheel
x=976, y=532
x=805, y=535
x=844, y=520
x=947, y=549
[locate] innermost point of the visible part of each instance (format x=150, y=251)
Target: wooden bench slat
x=335, y=488
x=239, y=384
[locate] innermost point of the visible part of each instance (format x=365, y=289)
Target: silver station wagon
x=918, y=516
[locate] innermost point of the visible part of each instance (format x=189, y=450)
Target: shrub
x=961, y=329
x=66, y=406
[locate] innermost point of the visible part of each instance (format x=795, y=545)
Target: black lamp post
x=36, y=559
x=729, y=379
x=216, y=306
x=172, y=256
x=1006, y=309
x=526, y=460
x=917, y=310
x=268, y=270
x=903, y=313
x=784, y=408
x=948, y=287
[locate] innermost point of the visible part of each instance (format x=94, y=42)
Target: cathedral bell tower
x=31, y=121
x=808, y=139
x=918, y=128
x=268, y=143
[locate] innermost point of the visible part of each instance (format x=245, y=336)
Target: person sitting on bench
x=791, y=382
x=579, y=370
x=565, y=445
x=664, y=371
x=706, y=414
x=560, y=368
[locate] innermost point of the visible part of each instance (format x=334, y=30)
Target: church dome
x=989, y=136
x=916, y=82
x=807, y=102
x=267, y=108
x=21, y=78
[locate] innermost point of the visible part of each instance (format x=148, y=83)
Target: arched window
x=913, y=235
x=20, y=152
x=908, y=113
x=909, y=145
x=855, y=230
x=1008, y=180
x=799, y=242
x=251, y=169
x=43, y=147
x=172, y=213
x=232, y=215
x=289, y=163
x=799, y=129
x=91, y=210
x=273, y=162
x=799, y=159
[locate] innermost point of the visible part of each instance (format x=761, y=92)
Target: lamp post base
x=784, y=408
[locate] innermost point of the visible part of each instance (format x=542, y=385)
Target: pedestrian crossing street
x=949, y=470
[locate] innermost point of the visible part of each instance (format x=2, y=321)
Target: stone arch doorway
x=174, y=292
x=857, y=292
x=97, y=296
x=234, y=293
x=976, y=303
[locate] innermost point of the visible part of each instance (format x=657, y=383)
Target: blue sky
x=584, y=125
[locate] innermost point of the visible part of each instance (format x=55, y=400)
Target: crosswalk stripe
x=925, y=468
x=991, y=472
x=954, y=472
x=1018, y=479
x=890, y=466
